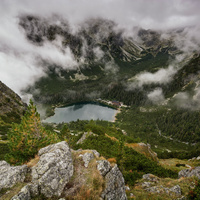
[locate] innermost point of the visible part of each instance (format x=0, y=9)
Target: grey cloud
x=111, y=67
x=154, y=14
x=162, y=76
x=98, y=53
x=156, y=96
x=186, y=101
x=18, y=57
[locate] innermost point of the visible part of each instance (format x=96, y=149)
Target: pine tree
x=26, y=138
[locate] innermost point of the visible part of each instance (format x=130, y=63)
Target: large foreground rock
x=114, y=181
x=9, y=175
x=190, y=172
x=53, y=170
x=51, y=175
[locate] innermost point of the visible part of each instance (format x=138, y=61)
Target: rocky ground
x=60, y=172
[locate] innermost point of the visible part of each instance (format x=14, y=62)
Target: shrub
x=195, y=193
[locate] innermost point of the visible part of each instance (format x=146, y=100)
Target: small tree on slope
x=26, y=138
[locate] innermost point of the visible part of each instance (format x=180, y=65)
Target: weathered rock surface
x=146, y=184
x=103, y=166
x=160, y=189
x=54, y=169
x=10, y=175
x=24, y=194
x=176, y=189
x=150, y=177
x=114, y=181
x=87, y=157
x=84, y=136
x=190, y=172
x=96, y=153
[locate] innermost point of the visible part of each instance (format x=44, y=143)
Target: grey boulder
x=103, y=166
x=87, y=157
x=10, y=175
x=54, y=169
x=114, y=185
x=190, y=172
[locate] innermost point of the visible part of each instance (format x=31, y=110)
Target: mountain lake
x=82, y=111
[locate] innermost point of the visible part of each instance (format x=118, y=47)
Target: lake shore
x=115, y=116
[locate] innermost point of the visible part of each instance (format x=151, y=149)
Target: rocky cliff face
x=11, y=108
x=63, y=173
x=10, y=101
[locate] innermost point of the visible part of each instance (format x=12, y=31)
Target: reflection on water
x=77, y=106
x=82, y=111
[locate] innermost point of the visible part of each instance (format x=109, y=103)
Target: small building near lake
x=116, y=103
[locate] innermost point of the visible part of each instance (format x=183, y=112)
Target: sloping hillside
x=11, y=108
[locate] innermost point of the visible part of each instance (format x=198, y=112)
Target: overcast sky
x=18, y=67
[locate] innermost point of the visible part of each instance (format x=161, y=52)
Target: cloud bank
x=162, y=76
x=156, y=96
x=22, y=63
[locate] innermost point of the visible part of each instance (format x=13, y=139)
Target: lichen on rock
x=54, y=169
x=52, y=175
x=114, y=181
x=190, y=172
x=10, y=175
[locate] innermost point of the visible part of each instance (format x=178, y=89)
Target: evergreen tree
x=26, y=138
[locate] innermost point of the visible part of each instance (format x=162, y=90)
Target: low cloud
x=188, y=40
x=111, y=67
x=156, y=96
x=19, y=71
x=162, y=76
x=186, y=101
x=22, y=62
x=98, y=53
x=93, y=95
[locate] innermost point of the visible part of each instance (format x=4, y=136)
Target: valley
x=95, y=109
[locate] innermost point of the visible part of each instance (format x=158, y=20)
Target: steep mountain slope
x=104, y=58
x=11, y=108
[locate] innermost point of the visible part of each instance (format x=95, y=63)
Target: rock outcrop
x=9, y=175
x=54, y=169
x=160, y=189
x=103, y=167
x=51, y=175
x=10, y=101
x=114, y=181
x=24, y=194
x=87, y=157
x=190, y=172
x=84, y=137
x=151, y=180
x=150, y=177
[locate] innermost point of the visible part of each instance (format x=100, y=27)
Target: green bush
x=195, y=193
x=99, y=130
x=131, y=163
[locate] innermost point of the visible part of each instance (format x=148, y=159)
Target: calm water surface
x=82, y=111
